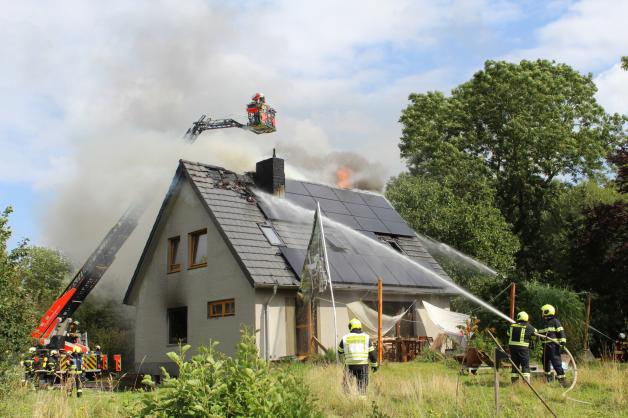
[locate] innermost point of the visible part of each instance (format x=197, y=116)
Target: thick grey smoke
x=324, y=167
x=134, y=97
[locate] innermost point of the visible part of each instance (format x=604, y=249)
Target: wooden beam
x=513, y=295
x=380, y=304
x=586, y=323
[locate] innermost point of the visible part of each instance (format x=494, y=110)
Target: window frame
x=192, y=243
x=168, y=312
x=223, y=303
x=270, y=234
x=172, y=267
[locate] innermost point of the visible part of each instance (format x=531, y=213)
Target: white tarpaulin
x=447, y=321
x=368, y=317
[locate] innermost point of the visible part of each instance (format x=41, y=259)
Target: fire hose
x=575, y=370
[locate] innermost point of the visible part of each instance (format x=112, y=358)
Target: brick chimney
x=270, y=176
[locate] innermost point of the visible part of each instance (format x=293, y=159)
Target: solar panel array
x=364, y=270
x=358, y=210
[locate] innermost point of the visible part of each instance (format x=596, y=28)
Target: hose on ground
x=575, y=370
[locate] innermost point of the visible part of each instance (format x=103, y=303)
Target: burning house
x=227, y=251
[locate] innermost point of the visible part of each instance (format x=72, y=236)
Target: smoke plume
x=131, y=99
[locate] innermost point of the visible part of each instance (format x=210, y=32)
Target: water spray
x=280, y=204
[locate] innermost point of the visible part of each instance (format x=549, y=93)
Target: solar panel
x=385, y=214
x=372, y=224
x=399, y=228
x=359, y=269
x=293, y=186
x=317, y=190
x=364, y=271
x=378, y=266
x=349, y=197
x=344, y=219
x=303, y=201
x=360, y=210
x=375, y=200
x=343, y=270
x=332, y=206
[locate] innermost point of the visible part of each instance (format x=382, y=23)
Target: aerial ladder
x=51, y=333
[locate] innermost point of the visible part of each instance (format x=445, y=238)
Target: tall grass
x=397, y=390
x=429, y=390
x=58, y=404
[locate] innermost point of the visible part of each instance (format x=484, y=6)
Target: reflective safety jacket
x=520, y=334
x=553, y=329
x=357, y=349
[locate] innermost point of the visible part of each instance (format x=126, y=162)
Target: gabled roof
x=238, y=210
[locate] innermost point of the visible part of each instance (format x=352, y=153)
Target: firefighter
x=98, y=354
x=358, y=351
x=76, y=369
x=551, y=350
x=621, y=348
x=520, y=342
x=74, y=333
x=29, y=365
x=51, y=368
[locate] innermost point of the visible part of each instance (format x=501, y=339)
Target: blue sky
x=95, y=97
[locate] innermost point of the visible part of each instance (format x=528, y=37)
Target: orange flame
x=342, y=177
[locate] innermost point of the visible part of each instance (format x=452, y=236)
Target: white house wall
x=158, y=290
x=281, y=323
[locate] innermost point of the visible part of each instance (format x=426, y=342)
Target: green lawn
x=398, y=390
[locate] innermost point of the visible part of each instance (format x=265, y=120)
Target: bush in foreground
x=211, y=384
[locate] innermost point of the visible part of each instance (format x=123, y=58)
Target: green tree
x=468, y=223
x=624, y=63
x=517, y=127
x=16, y=315
x=44, y=273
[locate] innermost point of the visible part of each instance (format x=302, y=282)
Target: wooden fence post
x=380, y=348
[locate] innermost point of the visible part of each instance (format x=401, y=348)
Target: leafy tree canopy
x=471, y=225
x=44, y=273
x=514, y=128
x=16, y=316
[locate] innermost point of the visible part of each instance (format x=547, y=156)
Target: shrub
x=211, y=384
x=429, y=356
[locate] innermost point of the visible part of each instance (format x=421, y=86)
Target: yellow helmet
x=32, y=350
x=523, y=316
x=53, y=352
x=548, y=310
x=355, y=324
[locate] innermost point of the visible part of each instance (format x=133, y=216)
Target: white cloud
x=590, y=36
x=612, y=92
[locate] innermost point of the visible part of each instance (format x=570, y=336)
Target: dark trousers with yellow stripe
x=521, y=357
x=551, y=358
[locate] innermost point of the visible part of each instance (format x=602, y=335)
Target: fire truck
x=54, y=330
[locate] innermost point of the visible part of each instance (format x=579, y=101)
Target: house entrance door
x=305, y=314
